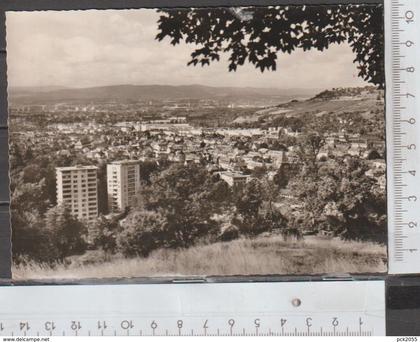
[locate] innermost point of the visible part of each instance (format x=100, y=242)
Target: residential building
x=234, y=179
x=77, y=188
x=278, y=157
x=123, y=183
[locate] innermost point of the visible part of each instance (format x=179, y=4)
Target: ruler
x=402, y=32
x=323, y=308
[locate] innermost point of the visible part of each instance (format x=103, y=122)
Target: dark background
x=403, y=293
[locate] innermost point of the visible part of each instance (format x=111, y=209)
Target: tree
x=259, y=34
x=102, y=189
x=259, y=171
x=286, y=140
x=144, y=231
x=284, y=174
x=15, y=156
x=104, y=232
x=46, y=240
x=30, y=240
x=147, y=168
x=50, y=191
x=30, y=197
x=275, y=221
x=248, y=205
x=28, y=155
x=309, y=147
x=341, y=199
x=363, y=207
x=31, y=174
x=187, y=197
x=68, y=232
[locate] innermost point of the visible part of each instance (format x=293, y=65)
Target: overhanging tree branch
x=259, y=35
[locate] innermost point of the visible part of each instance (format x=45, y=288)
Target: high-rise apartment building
x=77, y=187
x=123, y=179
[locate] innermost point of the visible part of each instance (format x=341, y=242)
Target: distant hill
x=337, y=93
x=152, y=92
x=22, y=91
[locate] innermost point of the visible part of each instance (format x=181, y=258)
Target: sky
x=109, y=47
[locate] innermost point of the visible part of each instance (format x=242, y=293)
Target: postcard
x=197, y=142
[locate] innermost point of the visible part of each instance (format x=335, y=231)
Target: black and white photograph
x=241, y=141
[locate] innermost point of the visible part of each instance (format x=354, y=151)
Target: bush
x=88, y=258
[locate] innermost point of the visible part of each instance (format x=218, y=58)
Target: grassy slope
x=260, y=256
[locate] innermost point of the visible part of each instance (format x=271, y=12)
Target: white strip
x=218, y=338
x=160, y=309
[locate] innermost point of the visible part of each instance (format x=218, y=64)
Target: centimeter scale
x=320, y=308
x=403, y=138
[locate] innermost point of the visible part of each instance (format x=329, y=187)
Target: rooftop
x=76, y=168
x=233, y=174
x=125, y=162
